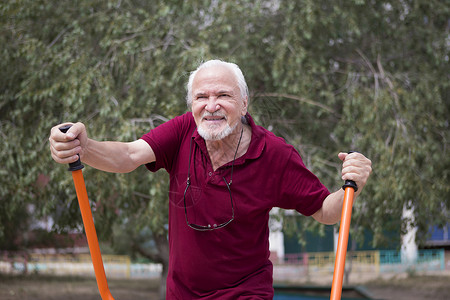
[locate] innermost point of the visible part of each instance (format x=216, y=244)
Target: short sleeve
x=300, y=188
x=165, y=140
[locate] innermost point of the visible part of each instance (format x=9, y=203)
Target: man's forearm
x=330, y=213
x=109, y=156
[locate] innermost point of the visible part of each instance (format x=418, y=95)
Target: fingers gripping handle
x=75, y=165
x=350, y=183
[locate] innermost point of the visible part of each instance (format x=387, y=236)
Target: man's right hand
x=65, y=147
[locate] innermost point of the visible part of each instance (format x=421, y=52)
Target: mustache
x=214, y=114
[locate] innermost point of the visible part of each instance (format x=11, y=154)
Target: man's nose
x=212, y=105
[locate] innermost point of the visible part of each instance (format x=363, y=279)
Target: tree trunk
x=162, y=257
x=162, y=244
x=349, y=264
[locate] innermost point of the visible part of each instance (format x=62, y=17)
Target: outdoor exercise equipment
x=88, y=221
x=350, y=188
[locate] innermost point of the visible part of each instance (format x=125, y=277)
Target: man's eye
x=224, y=95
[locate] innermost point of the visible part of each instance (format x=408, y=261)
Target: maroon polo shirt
x=230, y=262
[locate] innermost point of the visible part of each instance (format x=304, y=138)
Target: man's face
x=217, y=104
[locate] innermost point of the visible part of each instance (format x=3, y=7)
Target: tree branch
x=301, y=99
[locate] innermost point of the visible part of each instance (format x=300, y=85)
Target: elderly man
x=226, y=174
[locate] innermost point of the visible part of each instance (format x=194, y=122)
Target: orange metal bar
x=344, y=229
x=91, y=234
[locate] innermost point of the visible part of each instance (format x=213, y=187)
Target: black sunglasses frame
x=209, y=226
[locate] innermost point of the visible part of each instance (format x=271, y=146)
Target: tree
x=381, y=67
x=361, y=75
x=95, y=62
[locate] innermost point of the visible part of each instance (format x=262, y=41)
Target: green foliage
x=370, y=76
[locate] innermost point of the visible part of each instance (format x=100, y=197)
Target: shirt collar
x=257, y=144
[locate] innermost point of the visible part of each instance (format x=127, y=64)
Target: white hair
x=216, y=62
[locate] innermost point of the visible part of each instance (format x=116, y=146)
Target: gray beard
x=209, y=136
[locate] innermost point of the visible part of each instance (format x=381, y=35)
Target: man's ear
x=244, y=106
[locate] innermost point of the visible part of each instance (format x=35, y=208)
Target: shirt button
x=210, y=174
